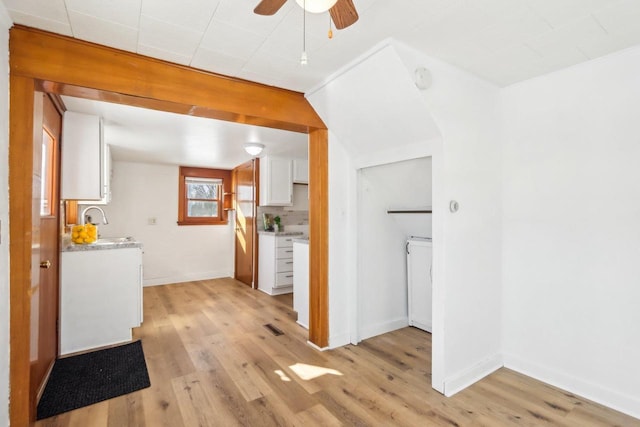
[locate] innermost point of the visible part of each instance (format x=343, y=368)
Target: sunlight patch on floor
x=309, y=372
x=282, y=375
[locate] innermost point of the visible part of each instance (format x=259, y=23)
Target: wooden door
x=45, y=208
x=246, y=242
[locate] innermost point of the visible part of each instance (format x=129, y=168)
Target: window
x=47, y=190
x=201, y=196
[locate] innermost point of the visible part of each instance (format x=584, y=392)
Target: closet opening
x=394, y=291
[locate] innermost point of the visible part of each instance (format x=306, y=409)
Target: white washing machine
x=419, y=278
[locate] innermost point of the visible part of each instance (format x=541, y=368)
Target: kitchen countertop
x=103, y=244
x=281, y=233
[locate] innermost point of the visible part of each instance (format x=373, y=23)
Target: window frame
x=49, y=160
x=192, y=172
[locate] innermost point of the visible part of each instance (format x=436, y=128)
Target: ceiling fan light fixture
x=316, y=6
x=253, y=148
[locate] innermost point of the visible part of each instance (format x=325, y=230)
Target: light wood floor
x=213, y=363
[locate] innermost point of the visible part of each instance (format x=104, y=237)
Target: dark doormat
x=90, y=378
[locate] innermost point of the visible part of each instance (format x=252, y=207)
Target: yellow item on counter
x=84, y=234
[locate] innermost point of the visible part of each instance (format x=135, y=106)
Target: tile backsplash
x=288, y=218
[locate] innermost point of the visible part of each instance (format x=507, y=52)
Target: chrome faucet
x=84, y=213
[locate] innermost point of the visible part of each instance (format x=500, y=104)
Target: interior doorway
x=394, y=317
x=61, y=65
x=394, y=204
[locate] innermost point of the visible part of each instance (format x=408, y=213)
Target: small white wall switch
x=152, y=220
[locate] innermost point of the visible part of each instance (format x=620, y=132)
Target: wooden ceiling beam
x=151, y=83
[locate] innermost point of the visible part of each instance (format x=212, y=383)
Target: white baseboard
x=302, y=324
x=620, y=402
x=469, y=376
x=382, y=328
x=206, y=275
x=339, y=340
x=424, y=326
x=277, y=291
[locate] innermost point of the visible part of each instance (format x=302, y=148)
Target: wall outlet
x=152, y=221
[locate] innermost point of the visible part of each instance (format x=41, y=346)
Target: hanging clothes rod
x=409, y=211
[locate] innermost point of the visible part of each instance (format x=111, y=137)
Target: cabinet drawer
x=283, y=265
x=284, y=279
x=284, y=253
x=284, y=242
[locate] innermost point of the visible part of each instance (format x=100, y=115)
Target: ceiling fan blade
x=269, y=7
x=343, y=14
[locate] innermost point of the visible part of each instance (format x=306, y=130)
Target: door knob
x=45, y=264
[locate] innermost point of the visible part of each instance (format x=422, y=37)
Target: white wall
x=467, y=280
x=172, y=253
x=375, y=110
x=572, y=229
x=382, y=275
x=465, y=111
x=342, y=188
x=5, y=23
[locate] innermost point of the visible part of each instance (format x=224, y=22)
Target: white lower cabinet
x=100, y=297
x=275, y=264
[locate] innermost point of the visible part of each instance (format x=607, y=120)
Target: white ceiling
x=150, y=136
x=503, y=41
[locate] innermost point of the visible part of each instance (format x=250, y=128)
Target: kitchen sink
x=113, y=240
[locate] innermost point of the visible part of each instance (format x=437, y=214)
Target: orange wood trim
x=71, y=212
x=256, y=240
x=57, y=102
x=256, y=174
x=319, y=237
x=54, y=129
x=20, y=215
x=66, y=61
x=169, y=106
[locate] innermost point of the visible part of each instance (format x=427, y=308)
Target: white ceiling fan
x=343, y=12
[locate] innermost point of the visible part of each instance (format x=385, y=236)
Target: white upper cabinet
x=107, y=174
x=300, y=171
x=276, y=181
x=85, y=169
